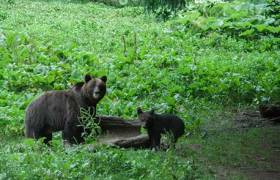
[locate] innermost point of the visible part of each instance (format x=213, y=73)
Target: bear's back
x=51, y=108
x=170, y=122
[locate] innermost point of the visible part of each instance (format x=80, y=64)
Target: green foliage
x=92, y=128
x=164, y=8
x=162, y=65
x=273, y=11
x=35, y=160
x=238, y=19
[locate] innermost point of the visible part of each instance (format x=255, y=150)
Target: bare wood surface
x=140, y=141
x=109, y=121
x=123, y=133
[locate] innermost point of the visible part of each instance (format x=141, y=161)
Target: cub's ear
x=152, y=111
x=87, y=78
x=104, y=78
x=139, y=111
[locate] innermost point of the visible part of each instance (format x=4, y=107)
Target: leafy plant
x=238, y=19
x=164, y=8
x=92, y=128
x=273, y=11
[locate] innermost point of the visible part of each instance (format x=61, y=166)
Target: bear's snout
x=96, y=93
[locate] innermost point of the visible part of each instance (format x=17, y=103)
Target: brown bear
x=60, y=110
x=157, y=124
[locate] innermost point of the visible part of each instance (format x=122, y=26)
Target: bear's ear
x=139, y=111
x=152, y=111
x=87, y=78
x=104, y=78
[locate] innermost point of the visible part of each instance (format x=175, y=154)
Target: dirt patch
x=251, y=119
x=271, y=163
x=254, y=142
x=257, y=174
x=195, y=147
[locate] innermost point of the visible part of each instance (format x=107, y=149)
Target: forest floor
x=249, y=149
x=246, y=147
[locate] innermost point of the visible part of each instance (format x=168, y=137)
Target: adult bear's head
x=94, y=89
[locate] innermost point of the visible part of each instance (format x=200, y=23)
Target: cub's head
x=94, y=88
x=145, y=116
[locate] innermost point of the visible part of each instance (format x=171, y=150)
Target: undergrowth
x=208, y=56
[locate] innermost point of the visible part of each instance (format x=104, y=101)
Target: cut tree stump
x=122, y=133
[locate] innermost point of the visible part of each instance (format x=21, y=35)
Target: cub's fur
x=157, y=124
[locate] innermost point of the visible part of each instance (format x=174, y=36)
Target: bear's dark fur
x=60, y=110
x=270, y=111
x=157, y=124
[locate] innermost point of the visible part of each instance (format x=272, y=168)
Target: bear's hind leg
x=47, y=134
x=44, y=132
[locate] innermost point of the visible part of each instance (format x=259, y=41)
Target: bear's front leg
x=73, y=129
x=155, y=141
x=72, y=133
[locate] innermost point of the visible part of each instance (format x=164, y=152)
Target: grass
x=24, y=159
x=173, y=66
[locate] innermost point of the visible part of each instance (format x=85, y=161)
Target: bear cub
x=60, y=110
x=157, y=124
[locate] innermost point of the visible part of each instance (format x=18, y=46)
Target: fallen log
x=122, y=133
x=119, y=126
x=139, y=142
x=276, y=120
x=112, y=121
